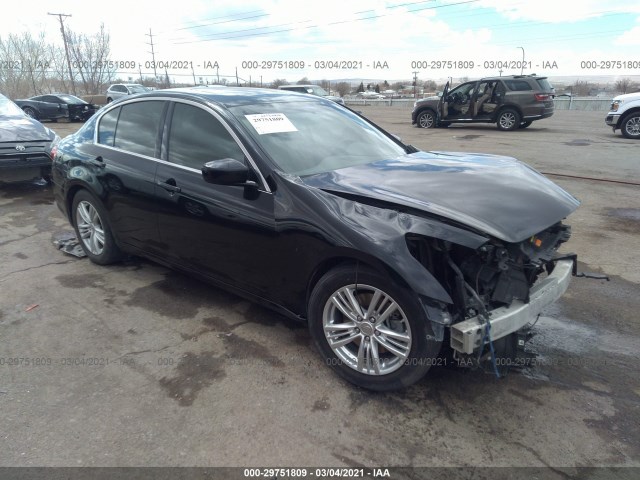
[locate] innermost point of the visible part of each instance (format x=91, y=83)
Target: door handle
x=169, y=187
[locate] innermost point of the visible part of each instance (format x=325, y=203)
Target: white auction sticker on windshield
x=271, y=123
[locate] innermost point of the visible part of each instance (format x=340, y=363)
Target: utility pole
x=66, y=47
x=152, y=52
x=415, y=82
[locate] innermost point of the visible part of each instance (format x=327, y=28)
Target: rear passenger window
x=518, y=85
x=197, y=137
x=137, y=129
x=107, y=128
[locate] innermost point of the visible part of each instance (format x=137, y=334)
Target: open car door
x=443, y=105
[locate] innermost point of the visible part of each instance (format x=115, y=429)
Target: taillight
x=54, y=150
x=542, y=97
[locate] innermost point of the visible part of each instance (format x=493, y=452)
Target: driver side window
x=197, y=137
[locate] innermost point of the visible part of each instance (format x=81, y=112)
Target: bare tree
x=343, y=88
x=429, y=85
x=90, y=57
x=581, y=88
x=278, y=81
x=625, y=85
x=24, y=69
x=303, y=81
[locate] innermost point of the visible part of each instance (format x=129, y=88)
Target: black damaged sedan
x=298, y=203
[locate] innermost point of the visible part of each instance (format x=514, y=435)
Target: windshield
x=317, y=91
x=9, y=109
x=305, y=138
x=70, y=99
x=544, y=84
x=137, y=89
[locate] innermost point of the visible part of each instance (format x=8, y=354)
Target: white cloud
x=630, y=37
x=558, y=12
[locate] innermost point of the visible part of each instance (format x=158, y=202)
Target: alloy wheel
x=90, y=227
x=366, y=329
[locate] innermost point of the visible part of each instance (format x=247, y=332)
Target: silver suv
x=312, y=90
x=120, y=90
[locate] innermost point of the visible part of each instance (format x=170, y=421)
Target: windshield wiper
x=410, y=149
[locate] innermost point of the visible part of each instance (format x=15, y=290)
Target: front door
x=223, y=231
x=458, y=102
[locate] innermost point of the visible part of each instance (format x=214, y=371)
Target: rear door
x=223, y=231
x=126, y=156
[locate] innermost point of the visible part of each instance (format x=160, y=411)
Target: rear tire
x=109, y=99
x=371, y=331
x=508, y=120
x=91, y=223
x=525, y=124
x=630, y=126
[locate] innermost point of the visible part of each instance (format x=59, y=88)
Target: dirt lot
x=136, y=365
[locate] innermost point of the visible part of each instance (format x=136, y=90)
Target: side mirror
x=227, y=171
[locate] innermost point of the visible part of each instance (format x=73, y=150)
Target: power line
x=327, y=24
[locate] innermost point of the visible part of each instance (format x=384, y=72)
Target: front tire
x=372, y=332
x=93, y=230
x=426, y=119
x=508, y=119
x=630, y=127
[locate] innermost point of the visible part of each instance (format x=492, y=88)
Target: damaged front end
x=498, y=288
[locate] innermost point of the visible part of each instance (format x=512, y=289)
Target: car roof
x=234, y=96
x=512, y=77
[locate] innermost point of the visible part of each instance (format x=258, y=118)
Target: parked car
x=312, y=90
x=310, y=209
x=77, y=108
x=120, y=90
x=41, y=110
x=511, y=102
x=625, y=115
x=24, y=144
x=370, y=95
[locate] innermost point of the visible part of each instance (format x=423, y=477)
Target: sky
x=331, y=39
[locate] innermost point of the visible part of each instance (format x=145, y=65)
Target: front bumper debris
x=467, y=336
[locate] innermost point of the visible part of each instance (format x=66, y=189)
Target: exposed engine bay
x=491, y=278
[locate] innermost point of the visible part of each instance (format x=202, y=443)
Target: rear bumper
x=539, y=116
x=467, y=336
x=26, y=161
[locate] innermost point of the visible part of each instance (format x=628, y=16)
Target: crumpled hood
x=497, y=195
x=23, y=129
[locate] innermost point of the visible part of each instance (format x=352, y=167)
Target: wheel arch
x=502, y=108
x=72, y=191
x=358, y=260
x=626, y=114
x=425, y=109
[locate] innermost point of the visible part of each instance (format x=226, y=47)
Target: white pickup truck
x=625, y=115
